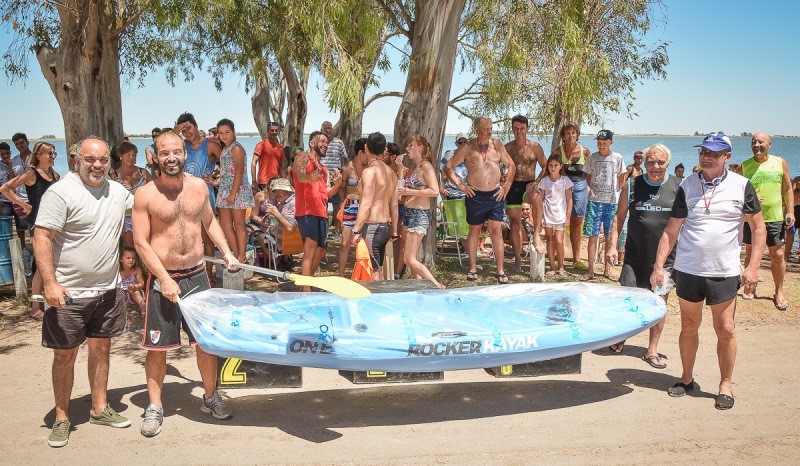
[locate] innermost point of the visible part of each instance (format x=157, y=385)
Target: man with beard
x=525, y=154
x=168, y=216
x=76, y=243
x=201, y=158
x=311, y=201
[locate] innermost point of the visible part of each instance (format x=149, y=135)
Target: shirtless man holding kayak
x=169, y=214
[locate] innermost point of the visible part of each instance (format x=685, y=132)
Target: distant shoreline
x=454, y=135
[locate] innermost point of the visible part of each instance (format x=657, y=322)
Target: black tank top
x=36, y=191
x=649, y=212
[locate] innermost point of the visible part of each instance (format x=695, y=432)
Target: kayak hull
x=420, y=331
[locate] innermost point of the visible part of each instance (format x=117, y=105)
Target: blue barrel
x=6, y=232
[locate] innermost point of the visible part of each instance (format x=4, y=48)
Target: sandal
x=563, y=273
x=502, y=279
x=680, y=389
x=654, y=361
x=472, y=276
x=550, y=274
x=781, y=306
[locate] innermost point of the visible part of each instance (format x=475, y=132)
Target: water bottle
x=27, y=259
x=793, y=228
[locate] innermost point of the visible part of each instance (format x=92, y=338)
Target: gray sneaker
x=153, y=418
x=60, y=434
x=216, y=406
x=109, y=417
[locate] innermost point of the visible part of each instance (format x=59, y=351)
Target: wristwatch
x=357, y=232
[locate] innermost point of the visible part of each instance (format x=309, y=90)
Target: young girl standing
x=131, y=275
x=557, y=207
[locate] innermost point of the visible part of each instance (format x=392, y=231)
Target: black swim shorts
x=516, y=194
x=483, y=206
x=776, y=234
x=163, y=319
x=714, y=290
x=100, y=317
x=376, y=235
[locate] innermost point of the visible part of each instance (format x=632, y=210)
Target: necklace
x=483, y=149
x=708, y=202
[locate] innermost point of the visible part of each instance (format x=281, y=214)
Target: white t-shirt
x=605, y=171
x=88, y=224
x=709, y=245
x=555, y=199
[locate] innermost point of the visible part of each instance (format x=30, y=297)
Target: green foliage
x=580, y=58
x=148, y=33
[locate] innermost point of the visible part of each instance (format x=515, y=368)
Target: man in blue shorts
x=484, y=196
x=707, y=221
x=605, y=173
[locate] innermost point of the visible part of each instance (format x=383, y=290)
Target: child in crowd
x=131, y=274
x=557, y=207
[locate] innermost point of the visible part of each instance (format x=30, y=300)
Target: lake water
x=681, y=147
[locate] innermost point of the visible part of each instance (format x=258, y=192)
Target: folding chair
x=454, y=227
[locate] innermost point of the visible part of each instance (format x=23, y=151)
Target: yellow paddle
x=339, y=286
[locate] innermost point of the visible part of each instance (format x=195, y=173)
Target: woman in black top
x=36, y=179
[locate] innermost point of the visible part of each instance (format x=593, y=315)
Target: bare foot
x=36, y=315
x=538, y=245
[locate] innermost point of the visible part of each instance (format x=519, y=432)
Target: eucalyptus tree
x=567, y=60
x=86, y=49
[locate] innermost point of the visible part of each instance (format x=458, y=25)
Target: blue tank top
x=197, y=164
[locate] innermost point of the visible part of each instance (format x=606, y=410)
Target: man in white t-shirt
x=76, y=243
x=707, y=220
x=605, y=174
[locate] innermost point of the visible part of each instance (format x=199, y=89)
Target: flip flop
x=586, y=277
x=748, y=296
x=563, y=273
x=723, y=402
x=617, y=348
x=472, y=276
x=550, y=274
x=654, y=361
x=780, y=306
x=680, y=389
x=502, y=279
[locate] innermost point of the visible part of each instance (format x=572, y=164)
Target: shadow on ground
x=312, y=415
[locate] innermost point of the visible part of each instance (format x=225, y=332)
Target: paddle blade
x=339, y=286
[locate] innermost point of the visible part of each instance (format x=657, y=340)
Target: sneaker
x=216, y=406
x=153, y=418
x=109, y=417
x=60, y=434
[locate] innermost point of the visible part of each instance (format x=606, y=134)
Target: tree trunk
x=297, y=107
x=560, y=119
x=261, y=102
x=83, y=73
x=434, y=38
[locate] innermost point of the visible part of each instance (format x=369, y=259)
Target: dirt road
x=615, y=411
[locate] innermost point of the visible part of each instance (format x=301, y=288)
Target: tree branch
x=394, y=19
x=398, y=49
x=127, y=23
x=381, y=95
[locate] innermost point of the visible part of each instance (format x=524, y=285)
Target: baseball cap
x=716, y=142
x=461, y=136
x=605, y=135
x=282, y=184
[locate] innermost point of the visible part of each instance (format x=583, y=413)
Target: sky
x=733, y=67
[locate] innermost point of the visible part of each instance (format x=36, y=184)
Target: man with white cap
x=706, y=221
x=448, y=189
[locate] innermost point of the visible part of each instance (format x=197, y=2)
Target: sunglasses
x=710, y=153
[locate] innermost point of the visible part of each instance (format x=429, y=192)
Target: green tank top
x=767, y=179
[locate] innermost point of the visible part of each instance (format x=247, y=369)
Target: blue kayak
x=420, y=331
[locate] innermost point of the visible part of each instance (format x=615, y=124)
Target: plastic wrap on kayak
x=420, y=331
